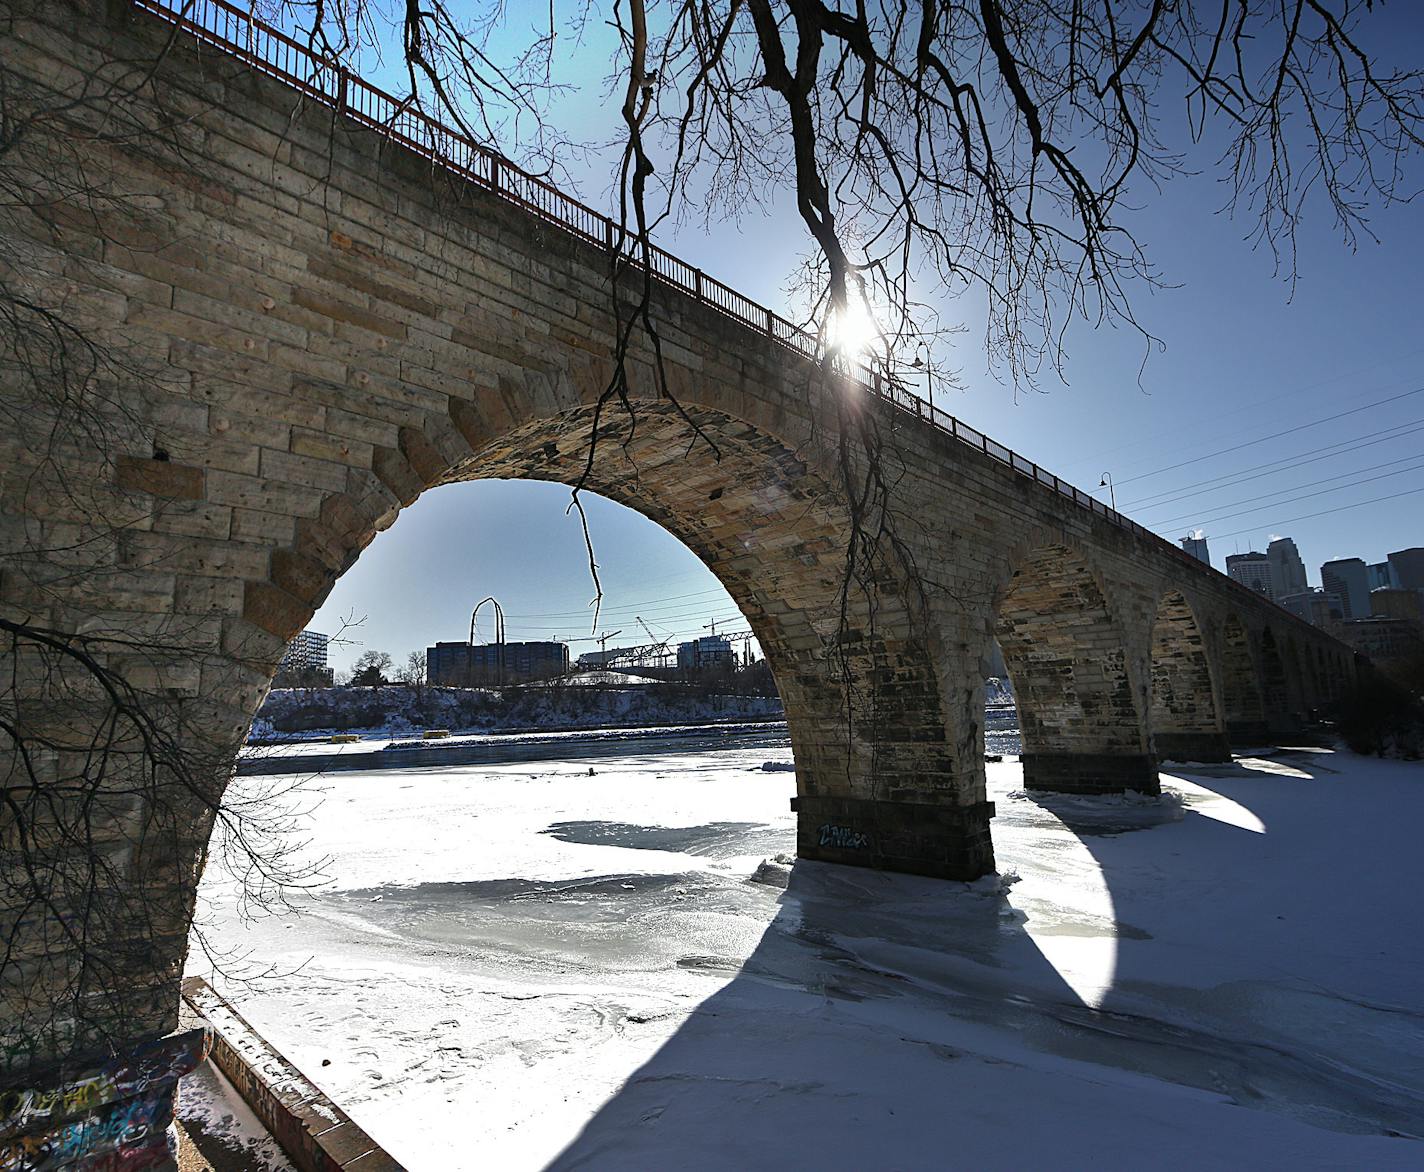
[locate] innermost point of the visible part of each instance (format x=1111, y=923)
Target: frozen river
x=527, y=965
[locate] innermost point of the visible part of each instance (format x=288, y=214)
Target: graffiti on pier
x=844, y=838
x=126, y=1136
x=114, y=1120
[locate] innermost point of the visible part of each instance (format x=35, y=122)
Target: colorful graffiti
x=844, y=838
x=114, y=1120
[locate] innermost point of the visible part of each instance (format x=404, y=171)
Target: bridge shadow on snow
x=889, y=1021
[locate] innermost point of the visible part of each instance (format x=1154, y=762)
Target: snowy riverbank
x=522, y=966
x=396, y=710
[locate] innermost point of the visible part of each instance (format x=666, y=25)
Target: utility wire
x=1274, y=435
x=622, y=608
x=1294, y=393
x=1294, y=488
x=1303, y=497
x=1275, y=467
x=1325, y=512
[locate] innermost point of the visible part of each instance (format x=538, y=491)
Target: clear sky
x=1193, y=440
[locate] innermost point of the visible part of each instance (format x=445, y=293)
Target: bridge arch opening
x=1066, y=658
x=1275, y=683
x=1186, y=722
x=1242, y=702
x=878, y=777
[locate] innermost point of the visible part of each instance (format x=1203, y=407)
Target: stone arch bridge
x=272, y=311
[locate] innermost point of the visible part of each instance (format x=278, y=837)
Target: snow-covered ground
x=525, y=965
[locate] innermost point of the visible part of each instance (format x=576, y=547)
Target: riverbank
x=397, y=710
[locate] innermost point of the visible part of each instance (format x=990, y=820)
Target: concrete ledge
x=1091, y=773
x=314, y=1132
x=943, y=841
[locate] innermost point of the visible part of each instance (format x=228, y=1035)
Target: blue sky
x=1337, y=360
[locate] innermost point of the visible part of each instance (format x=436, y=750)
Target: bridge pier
x=1091, y=773
x=115, y=1112
x=1192, y=746
x=938, y=839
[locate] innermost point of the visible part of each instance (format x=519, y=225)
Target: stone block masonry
x=300, y=327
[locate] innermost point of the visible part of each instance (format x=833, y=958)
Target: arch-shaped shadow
x=882, y=1022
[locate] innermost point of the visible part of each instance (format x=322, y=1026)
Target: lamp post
x=923, y=363
x=1107, y=481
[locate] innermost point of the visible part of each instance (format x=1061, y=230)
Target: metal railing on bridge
x=273, y=52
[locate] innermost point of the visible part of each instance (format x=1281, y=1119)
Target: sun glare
x=852, y=331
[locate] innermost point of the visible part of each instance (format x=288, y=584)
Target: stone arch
x=1275, y=684
x=1243, y=707
x=878, y=777
x=1297, y=678
x=1066, y=657
x=1186, y=720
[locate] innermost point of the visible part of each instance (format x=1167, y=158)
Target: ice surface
x=522, y=966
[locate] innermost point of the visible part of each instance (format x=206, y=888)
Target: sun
x=852, y=331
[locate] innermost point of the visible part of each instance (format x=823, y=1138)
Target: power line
x=1275, y=467
x=620, y=608
x=1294, y=393
x=1306, y=496
x=683, y=619
x=1273, y=435
x=1325, y=512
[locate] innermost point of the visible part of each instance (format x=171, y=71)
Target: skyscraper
x=1195, y=544
x=1350, y=579
x=1287, y=570
x=1381, y=576
x=1407, y=566
x=1252, y=570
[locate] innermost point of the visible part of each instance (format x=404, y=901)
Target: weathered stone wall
x=280, y=330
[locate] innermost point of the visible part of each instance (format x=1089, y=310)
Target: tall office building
x=1350, y=579
x=1381, y=576
x=1287, y=570
x=1407, y=568
x=1252, y=570
x=1195, y=544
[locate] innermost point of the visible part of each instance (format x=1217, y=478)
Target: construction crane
x=659, y=647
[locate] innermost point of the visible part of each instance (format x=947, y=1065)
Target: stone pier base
x=1248, y=734
x=919, y=838
x=1091, y=773
x=114, y=1114
x=1192, y=746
